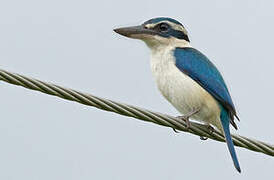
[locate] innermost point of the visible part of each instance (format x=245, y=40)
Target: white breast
x=180, y=90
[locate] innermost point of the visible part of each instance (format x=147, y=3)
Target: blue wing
x=196, y=65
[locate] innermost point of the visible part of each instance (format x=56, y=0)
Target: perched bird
x=186, y=77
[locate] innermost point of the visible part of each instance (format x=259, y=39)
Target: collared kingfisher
x=186, y=77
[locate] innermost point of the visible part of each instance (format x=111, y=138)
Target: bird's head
x=156, y=32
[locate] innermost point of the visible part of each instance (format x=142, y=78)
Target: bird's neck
x=162, y=53
x=162, y=56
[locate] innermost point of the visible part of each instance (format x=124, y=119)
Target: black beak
x=134, y=31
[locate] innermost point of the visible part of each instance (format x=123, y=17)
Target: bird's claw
x=187, y=116
x=211, y=131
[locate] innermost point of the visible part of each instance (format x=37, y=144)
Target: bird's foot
x=211, y=131
x=187, y=116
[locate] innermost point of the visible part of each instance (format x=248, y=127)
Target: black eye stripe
x=166, y=30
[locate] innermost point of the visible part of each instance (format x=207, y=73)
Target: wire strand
x=132, y=111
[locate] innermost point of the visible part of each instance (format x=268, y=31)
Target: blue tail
x=225, y=119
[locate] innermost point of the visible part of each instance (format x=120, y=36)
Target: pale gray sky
x=71, y=43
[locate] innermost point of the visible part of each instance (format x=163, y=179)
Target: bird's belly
x=185, y=95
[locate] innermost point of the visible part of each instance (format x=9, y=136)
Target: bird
x=186, y=77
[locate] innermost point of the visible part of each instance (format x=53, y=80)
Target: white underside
x=180, y=90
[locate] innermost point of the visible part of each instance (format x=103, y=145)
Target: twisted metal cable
x=132, y=111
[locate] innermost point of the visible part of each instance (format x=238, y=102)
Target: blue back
x=196, y=65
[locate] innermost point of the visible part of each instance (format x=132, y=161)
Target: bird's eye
x=163, y=27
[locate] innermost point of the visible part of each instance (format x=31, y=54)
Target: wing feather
x=197, y=66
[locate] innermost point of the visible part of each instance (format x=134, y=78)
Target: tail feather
x=225, y=123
